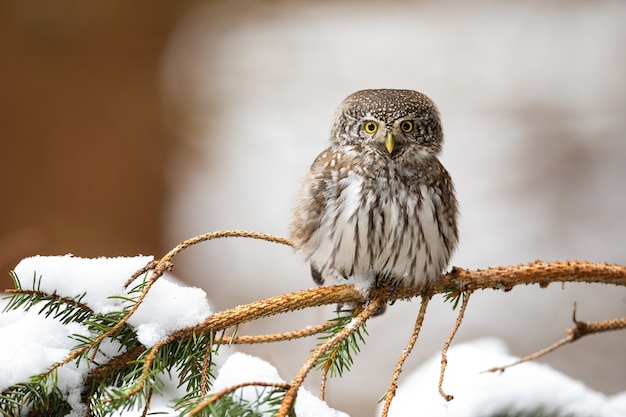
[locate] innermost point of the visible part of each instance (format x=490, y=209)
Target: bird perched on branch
x=377, y=204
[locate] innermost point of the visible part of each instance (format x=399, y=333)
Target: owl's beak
x=389, y=142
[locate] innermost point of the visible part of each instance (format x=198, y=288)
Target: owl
x=377, y=204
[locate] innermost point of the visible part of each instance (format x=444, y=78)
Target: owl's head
x=392, y=121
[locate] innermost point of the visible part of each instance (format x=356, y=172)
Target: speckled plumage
x=378, y=204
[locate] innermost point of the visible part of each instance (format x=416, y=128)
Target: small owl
x=377, y=204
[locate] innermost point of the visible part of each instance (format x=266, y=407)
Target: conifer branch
x=581, y=329
x=290, y=396
x=141, y=365
x=98, y=340
x=393, y=385
x=220, y=394
x=146, y=406
x=338, y=359
x=538, y=272
x=446, y=346
x=165, y=262
x=277, y=337
x=206, y=365
x=38, y=295
x=323, y=386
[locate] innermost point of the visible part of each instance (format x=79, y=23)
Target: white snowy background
x=533, y=101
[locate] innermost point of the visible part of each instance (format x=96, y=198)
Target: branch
x=542, y=273
x=229, y=390
x=278, y=337
x=393, y=386
x=446, y=346
x=581, y=329
x=290, y=396
x=539, y=272
x=456, y=281
x=53, y=297
x=506, y=278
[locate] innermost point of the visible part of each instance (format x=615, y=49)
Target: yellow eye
x=406, y=126
x=370, y=127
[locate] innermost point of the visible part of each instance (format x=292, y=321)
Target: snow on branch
x=124, y=340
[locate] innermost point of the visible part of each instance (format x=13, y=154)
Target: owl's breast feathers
x=365, y=215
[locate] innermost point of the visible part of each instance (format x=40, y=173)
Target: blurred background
x=128, y=127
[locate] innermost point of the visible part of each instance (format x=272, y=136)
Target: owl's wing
x=446, y=205
x=311, y=200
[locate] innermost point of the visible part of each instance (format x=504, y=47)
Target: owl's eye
x=406, y=126
x=370, y=127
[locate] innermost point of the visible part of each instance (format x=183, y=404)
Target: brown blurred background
x=81, y=126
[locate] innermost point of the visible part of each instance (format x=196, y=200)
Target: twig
x=393, y=386
x=224, y=234
x=53, y=297
x=446, y=346
x=206, y=363
x=146, y=406
x=278, y=337
x=290, y=396
x=218, y=395
x=150, y=265
x=284, y=303
x=332, y=356
x=167, y=258
x=581, y=329
x=116, y=364
x=323, y=386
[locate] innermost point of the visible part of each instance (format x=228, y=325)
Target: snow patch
x=32, y=343
x=168, y=307
x=70, y=276
x=528, y=386
x=240, y=368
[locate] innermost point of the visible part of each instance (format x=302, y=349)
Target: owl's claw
x=378, y=312
x=357, y=307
